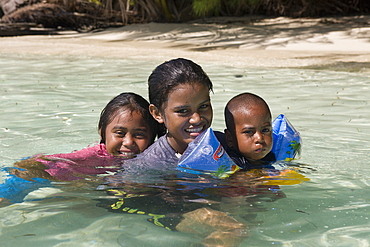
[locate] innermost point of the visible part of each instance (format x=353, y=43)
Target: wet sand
x=331, y=43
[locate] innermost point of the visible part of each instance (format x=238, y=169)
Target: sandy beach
x=341, y=43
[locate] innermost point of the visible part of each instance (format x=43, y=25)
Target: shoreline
x=341, y=43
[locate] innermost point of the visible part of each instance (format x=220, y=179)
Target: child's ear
x=228, y=138
x=101, y=136
x=155, y=113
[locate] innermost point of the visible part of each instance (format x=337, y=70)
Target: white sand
x=280, y=42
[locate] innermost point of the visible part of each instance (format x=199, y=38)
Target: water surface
x=52, y=104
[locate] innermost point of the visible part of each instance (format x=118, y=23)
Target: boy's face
x=186, y=114
x=127, y=135
x=253, y=133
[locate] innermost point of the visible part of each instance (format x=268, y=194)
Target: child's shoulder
x=159, y=148
x=93, y=150
x=159, y=154
x=243, y=163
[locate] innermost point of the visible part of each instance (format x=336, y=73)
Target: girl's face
x=187, y=113
x=253, y=133
x=127, y=135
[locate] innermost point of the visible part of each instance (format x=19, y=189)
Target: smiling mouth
x=126, y=154
x=194, y=132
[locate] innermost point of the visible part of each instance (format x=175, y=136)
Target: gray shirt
x=157, y=160
x=159, y=156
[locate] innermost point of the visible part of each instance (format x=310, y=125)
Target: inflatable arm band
x=15, y=189
x=286, y=140
x=206, y=155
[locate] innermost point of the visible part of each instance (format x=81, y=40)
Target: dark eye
x=204, y=106
x=248, y=132
x=182, y=111
x=266, y=130
x=140, y=135
x=120, y=133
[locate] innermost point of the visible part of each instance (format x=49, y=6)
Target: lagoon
x=51, y=104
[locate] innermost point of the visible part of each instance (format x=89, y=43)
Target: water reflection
x=217, y=211
x=51, y=105
x=220, y=211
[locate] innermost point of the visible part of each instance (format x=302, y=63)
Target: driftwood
x=46, y=15
x=16, y=29
x=81, y=16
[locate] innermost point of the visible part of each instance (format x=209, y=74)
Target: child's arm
x=30, y=169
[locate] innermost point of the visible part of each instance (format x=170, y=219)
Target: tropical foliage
x=182, y=10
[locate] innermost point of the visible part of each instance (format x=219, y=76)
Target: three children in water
x=180, y=109
x=179, y=99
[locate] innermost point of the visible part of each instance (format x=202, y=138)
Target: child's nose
x=195, y=118
x=259, y=137
x=128, y=140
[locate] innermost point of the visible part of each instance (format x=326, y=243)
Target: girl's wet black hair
x=170, y=74
x=123, y=102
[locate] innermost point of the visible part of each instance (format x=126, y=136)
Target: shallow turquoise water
x=52, y=105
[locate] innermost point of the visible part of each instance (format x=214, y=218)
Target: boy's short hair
x=240, y=103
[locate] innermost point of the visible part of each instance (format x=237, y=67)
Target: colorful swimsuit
x=94, y=160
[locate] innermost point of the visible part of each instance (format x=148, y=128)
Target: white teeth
x=194, y=130
x=127, y=153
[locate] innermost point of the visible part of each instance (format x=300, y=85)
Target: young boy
x=248, y=131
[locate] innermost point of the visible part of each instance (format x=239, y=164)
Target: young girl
x=126, y=128
x=179, y=100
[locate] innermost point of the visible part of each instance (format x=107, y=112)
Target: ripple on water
x=52, y=105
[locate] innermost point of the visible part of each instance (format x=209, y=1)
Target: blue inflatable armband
x=15, y=189
x=286, y=140
x=206, y=155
